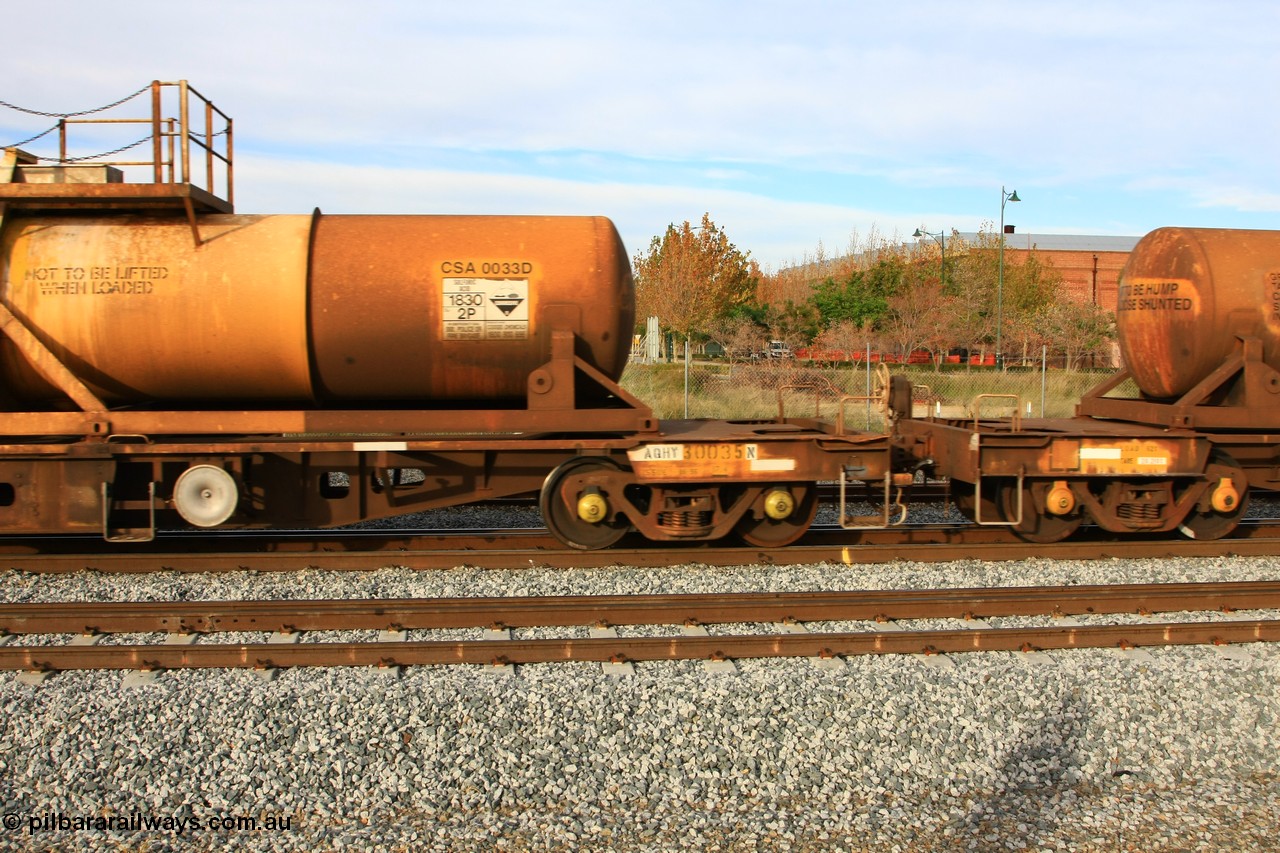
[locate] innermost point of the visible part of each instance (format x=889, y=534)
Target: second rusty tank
x=1186, y=298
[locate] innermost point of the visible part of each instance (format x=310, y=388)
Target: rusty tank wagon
x=168, y=363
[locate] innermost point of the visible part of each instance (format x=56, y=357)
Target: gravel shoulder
x=1084, y=750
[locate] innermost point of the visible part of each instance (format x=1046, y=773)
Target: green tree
x=851, y=300
x=862, y=296
x=796, y=324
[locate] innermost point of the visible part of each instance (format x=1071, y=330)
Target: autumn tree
x=1081, y=332
x=795, y=282
x=919, y=318
x=692, y=274
x=971, y=285
x=980, y=300
x=740, y=332
x=882, y=292
x=846, y=338
x=928, y=259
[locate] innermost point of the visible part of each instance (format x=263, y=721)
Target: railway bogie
x=1044, y=478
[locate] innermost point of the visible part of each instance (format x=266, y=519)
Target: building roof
x=1063, y=242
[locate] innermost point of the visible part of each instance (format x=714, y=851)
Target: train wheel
x=564, y=504
x=1038, y=524
x=768, y=532
x=1223, y=505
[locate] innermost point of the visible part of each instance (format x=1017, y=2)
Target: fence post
x=1044, y=374
x=868, y=386
x=686, y=379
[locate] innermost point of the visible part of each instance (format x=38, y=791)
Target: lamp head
x=1013, y=196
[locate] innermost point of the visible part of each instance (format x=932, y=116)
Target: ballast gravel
x=1175, y=750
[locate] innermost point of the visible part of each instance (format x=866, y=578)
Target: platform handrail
x=172, y=139
x=1015, y=419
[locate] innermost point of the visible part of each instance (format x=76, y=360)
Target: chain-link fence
x=750, y=390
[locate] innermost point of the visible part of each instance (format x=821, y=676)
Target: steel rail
x=328, y=551
x=395, y=654
x=605, y=610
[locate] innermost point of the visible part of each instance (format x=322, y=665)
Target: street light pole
x=1004, y=197
x=941, y=239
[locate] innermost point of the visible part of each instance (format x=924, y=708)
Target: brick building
x=1090, y=265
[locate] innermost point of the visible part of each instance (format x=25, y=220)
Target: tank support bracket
x=1241, y=393
x=53, y=370
x=553, y=386
x=47, y=364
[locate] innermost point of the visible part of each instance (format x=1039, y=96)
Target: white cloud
x=769, y=117
x=774, y=232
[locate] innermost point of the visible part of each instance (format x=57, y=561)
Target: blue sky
x=793, y=124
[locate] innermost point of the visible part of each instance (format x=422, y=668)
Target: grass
x=745, y=391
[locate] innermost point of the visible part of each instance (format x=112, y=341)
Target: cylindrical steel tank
x=302, y=309
x=462, y=306
x=1185, y=297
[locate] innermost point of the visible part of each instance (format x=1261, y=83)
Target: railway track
x=186, y=625
x=511, y=549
